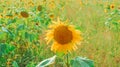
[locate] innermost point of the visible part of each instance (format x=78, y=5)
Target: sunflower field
x=59, y=33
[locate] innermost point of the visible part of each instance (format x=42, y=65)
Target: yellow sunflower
x=1, y=16
x=39, y=8
x=24, y=14
x=51, y=16
x=112, y=6
x=64, y=37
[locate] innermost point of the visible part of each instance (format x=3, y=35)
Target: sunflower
x=51, y=16
x=1, y=16
x=39, y=8
x=112, y=6
x=64, y=37
x=24, y=14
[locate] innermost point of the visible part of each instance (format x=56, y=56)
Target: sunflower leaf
x=47, y=62
x=4, y=29
x=81, y=62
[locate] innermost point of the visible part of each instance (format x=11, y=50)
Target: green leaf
x=2, y=36
x=81, y=62
x=30, y=36
x=9, y=48
x=20, y=27
x=11, y=21
x=7, y=31
x=4, y=29
x=2, y=49
x=115, y=23
x=31, y=64
x=5, y=48
x=47, y=62
x=79, y=28
x=15, y=64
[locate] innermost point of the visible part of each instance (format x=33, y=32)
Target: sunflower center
x=63, y=35
x=24, y=14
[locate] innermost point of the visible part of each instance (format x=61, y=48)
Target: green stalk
x=67, y=58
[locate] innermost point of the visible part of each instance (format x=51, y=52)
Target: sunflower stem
x=67, y=57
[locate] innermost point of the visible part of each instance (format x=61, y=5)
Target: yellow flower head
x=64, y=37
x=112, y=6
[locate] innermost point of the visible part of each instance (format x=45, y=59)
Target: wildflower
x=105, y=10
x=52, y=5
x=81, y=3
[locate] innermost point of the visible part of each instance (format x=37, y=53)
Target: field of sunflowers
x=59, y=33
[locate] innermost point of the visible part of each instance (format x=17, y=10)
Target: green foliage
x=31, y=64
x=15, y=64
x=47, y=62
x=6, y=48
x=113, y=21
x=81, y=62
